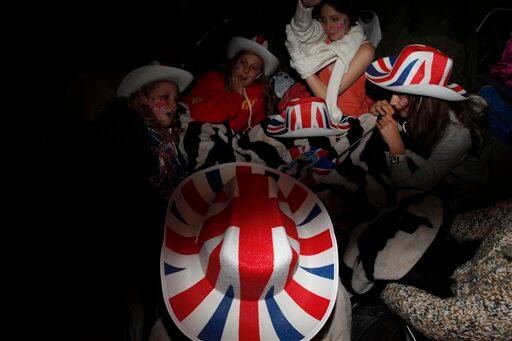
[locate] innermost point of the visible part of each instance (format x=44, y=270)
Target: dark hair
x=430, y=117
x=341, y=6
x=269, y=95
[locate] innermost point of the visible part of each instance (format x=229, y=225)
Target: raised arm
x=363, y=57
x=305, y=28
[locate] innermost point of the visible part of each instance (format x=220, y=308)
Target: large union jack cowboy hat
x=418, y=70
x=306, y=117
x=248, y=253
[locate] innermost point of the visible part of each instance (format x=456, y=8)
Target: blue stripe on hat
x=177, y=214
x=283, y=328
x=169, y=269
x=316, y=210
x=273, y=175
x=215, y=326
x=214, y=180
x=323, y=271
x=401, y=79
x=372, y=71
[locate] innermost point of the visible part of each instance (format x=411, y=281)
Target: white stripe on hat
x=180, y=228
x=190, y=216
x=182, y=280
x=316, y=284
x=230, y=244
x=298, y=318
x=320, y=259
x=199, y=317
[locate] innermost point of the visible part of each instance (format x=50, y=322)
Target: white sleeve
x=305, y=28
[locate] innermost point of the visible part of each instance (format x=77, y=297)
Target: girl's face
x=334, y=23
x=162, y=101
x=248, y=68
x=401, y=103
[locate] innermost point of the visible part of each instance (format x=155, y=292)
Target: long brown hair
x=269, y=94
x=137, y=103
x=430, y=117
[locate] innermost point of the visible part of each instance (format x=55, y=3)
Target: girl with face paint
x=337, y=18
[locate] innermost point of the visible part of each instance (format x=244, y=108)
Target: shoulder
x=366, y=50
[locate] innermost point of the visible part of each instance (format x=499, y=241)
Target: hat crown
x=259, y=248
x=260, y=40
x=432, y=66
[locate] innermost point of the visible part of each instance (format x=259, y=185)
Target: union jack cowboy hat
x=306, y=117
x=418, y=70
x=248, y=253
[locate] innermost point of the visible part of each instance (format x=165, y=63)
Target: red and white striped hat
x=306, y=117
x=248, y=253
x=257, y=45
x=418, y=70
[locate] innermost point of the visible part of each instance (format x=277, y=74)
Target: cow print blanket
x=354, y=162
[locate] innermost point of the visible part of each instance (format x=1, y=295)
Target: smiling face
x=161, y=99
x=247, y=68
x=335, y=24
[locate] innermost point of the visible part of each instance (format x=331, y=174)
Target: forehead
x=252, y=58
x=328, y=11
x=165, y=85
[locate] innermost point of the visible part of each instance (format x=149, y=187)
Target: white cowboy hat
x=248, y=252
x=152, y=73
x=259, y=46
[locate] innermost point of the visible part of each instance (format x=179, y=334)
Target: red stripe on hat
x=319, y=118
x=193, y=198
x=180, y=244
x=437, y=73
x=316, y=244
x=221, y=197
x=305, y=115
x=456, y=88
x=420, y=74
x=296, y=197
x=293, y=119
x=187, y=301
x=383, y=65
x=248, y=321
x=310, y=302
x=260, y=40
x=243, y=170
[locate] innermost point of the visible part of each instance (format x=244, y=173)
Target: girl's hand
x=382, y=108
x=236, y=85
x=388, y=128
x=310, y=3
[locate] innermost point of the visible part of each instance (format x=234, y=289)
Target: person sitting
x=337, y=28
x=138, y=170
x=443, y=124
x=241, y=94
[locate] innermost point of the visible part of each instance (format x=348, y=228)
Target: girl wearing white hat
x=240, y=95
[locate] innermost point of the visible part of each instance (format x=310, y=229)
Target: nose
x=394, y=100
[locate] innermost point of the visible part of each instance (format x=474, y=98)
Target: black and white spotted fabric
x=358, y=158
x=389, y=246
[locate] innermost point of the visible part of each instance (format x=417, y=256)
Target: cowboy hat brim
x=203, y=310
x=375, y=74
x=240, y=44
x=152, y=73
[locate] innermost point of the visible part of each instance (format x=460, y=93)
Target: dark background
x=85, y=47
